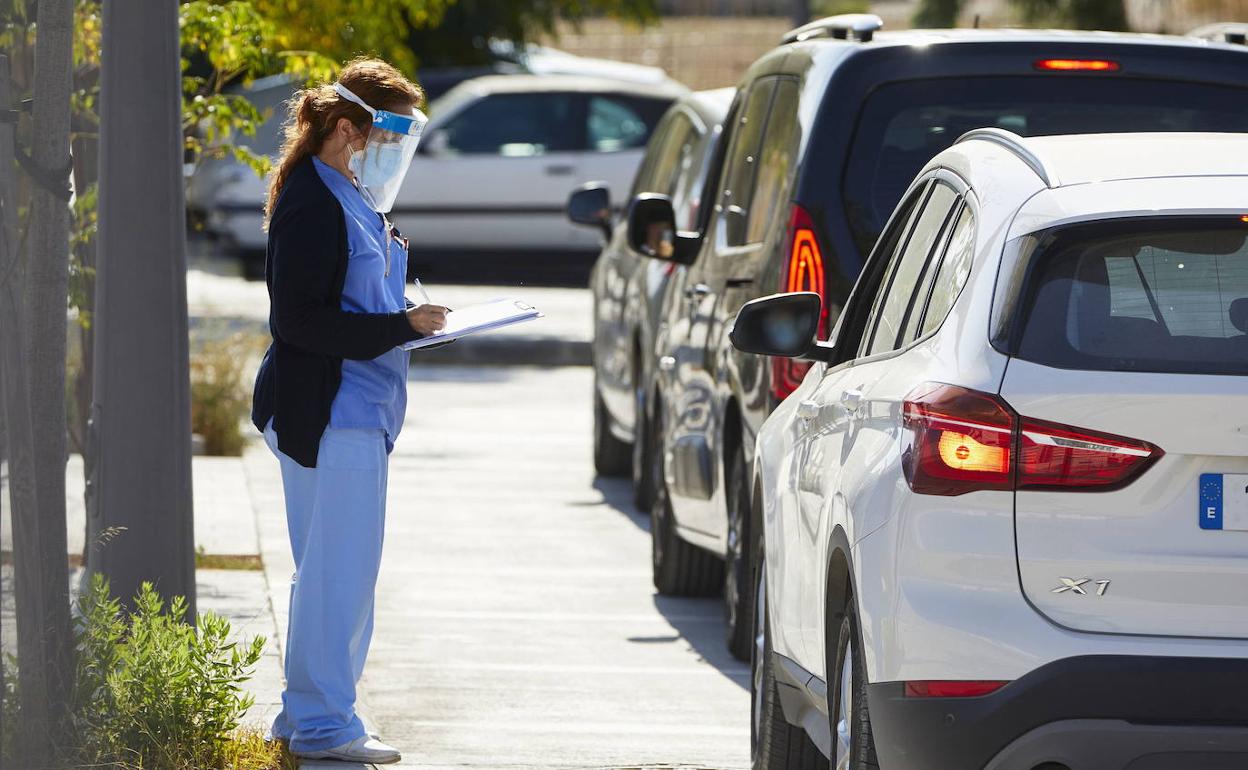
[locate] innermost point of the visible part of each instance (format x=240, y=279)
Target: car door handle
x=697, y=292
x=851, y=400
x=808, y=410
x=560, y=169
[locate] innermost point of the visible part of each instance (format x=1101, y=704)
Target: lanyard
x=389, y=228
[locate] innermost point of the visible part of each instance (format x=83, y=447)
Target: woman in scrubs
x=331, y=393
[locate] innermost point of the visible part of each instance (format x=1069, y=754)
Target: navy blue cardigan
x=305, y=269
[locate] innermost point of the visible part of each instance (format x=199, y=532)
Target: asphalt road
x=517, y=626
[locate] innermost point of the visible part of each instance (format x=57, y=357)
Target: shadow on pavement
x=700, y=622
x=617, y=493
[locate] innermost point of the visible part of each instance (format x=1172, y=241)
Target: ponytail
x=314, y=112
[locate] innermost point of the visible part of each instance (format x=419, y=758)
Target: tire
x=854, y=743
x=680, y=568
x=647, y=460
x=774, y=743
x=739, y=585
x=612, y=457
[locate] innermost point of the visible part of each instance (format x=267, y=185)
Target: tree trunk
x=39, y=538
x=141, y=417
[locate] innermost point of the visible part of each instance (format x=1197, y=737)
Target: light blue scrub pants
x=336, y=516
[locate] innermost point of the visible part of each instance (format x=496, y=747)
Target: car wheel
x=738, y=576
x=611, y=456
x=680, y=568
x=850, y=719
x=774, y=743
x=645, y=457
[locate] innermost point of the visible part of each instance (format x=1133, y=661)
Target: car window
x=616, y=122
x=950, y=276
x=906, y=271
x=1163, y=294
x=514, y=125
x=641, y=182
x=741, y=167
x=863, y=304
x=776, y=156
x=903, y=124
x=680, y=134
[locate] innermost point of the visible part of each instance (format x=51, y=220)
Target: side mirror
x=780, y=325
x=652, y=230
x=590, y=204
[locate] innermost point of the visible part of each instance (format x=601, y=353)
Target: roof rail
x=862, y=25
x=1015, y=144
x=1235, y=33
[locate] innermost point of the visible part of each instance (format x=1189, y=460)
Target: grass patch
x=244, y=561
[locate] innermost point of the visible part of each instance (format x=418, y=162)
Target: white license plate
x=1224, y=501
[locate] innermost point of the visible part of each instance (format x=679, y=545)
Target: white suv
x=1005, y=515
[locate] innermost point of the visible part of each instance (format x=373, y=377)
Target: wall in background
x=710, y=43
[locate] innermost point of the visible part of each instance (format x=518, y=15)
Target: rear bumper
x=1104, y=712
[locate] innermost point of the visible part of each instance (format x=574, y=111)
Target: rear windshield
x=903, y=125
x=1154, y=295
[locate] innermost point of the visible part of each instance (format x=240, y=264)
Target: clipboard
x=476, y=319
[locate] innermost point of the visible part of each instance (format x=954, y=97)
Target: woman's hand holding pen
x=427, y=319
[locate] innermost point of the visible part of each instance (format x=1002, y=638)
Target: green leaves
x=235, y=43
x=152, y=691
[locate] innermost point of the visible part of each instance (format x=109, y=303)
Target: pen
x=424, y=295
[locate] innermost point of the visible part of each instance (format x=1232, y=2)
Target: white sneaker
x=363, y=749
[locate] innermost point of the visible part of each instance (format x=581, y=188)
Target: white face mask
x=379, y=168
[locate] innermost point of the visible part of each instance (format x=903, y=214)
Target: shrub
x=152, y=692
x=221, y=391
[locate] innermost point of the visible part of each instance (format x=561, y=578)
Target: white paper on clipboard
x=475, y=319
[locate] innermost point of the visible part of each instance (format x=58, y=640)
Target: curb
x=485, y=350
x=508, y=350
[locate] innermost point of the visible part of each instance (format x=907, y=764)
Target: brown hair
x=314, y=113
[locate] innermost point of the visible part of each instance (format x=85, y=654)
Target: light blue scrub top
x=373, y=394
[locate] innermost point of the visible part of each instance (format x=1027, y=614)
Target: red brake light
x=951, y=688
x=1052, y=455
x=803, y=272
x=1077, y=65
x=963, y=441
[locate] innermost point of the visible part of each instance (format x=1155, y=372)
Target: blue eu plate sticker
x=1224, y=501
x=1211, y=501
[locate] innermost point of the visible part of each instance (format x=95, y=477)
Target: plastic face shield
x=380, y=167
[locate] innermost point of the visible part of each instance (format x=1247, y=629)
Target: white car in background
x=494, y=169
x=1005, y=515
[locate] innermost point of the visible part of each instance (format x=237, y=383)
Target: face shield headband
x=380, y=167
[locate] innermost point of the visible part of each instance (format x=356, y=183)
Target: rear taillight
x=803, y=271
x=1060, y=457
x=1076, y=65
x=951, y=688
x=961, y=440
